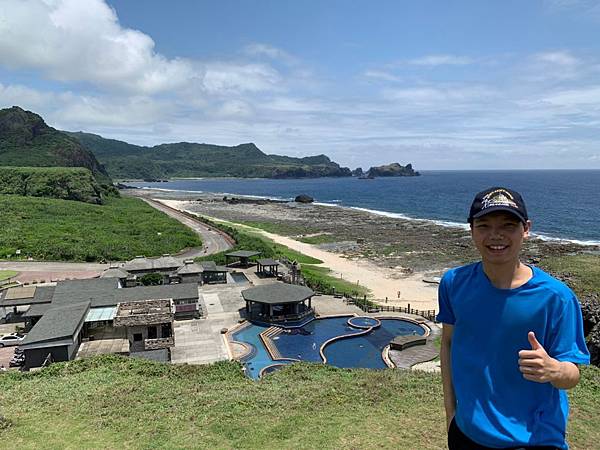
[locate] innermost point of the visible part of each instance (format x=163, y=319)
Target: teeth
x=497, y=247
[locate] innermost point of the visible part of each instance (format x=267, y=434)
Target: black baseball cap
x=498, y=199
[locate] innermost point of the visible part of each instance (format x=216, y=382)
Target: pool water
x=239, y=277
x=346, y=346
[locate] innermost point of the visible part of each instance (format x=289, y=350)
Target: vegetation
x=247, y=240
x=582, y=271
x=116, y=402
x=320, y=279
x=7, y=274
x=67, y=183
x=152, y=279
x=25, y=140
x=186, y=159
x=51, y=229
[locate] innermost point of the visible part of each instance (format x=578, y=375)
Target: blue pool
x=239, y=277
x=353, y=343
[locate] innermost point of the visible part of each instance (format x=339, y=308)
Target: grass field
x=583, y=271
x=115, y=402
x=6, y=274
x=63, y=230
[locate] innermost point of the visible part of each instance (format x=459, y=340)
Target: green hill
x=185, y=159
x=26, y=141
x=116, y=402
x=67, y=183
x=61, y=230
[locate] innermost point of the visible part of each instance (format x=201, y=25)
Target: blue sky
x=443, y=85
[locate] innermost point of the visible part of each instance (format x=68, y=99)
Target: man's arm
x=449, y=398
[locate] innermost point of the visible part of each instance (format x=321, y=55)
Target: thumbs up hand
x=536, y=365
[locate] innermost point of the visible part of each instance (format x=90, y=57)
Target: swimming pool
x=239, y=277
x=343, y=341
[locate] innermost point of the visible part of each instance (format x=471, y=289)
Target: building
x=279, y=303
x=149, y=324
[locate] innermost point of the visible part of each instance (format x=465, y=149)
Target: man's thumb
x=533, y=341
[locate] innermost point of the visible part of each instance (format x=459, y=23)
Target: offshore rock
x=303, y=198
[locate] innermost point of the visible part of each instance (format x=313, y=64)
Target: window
x=166, y=330
x=152, y=333
x=137, y=337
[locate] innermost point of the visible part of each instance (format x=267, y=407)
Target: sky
x=511, y=84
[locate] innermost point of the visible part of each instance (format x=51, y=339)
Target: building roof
x=42, y=294
x=268, y=262
x=211, y=266
x=102, y=292
x=37, y=310
x=156, y=311
x=101, y=314
x=164, y=262
x=59, y=323
x=243, y=254
x=277, y=293
x=20, y=292
x=115, y=272
x=189, y=268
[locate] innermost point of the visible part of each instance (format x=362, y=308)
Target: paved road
x=213, y=241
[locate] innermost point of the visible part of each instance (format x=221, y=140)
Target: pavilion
x=267, y=267
x=243, y=256
x=278, y=302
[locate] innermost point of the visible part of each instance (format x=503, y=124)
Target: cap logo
x=499, y=197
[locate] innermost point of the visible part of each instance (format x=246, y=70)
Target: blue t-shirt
x=495, y=405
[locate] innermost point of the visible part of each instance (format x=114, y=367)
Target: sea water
x=563, y=204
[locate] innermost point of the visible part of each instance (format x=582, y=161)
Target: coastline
x=385, y=254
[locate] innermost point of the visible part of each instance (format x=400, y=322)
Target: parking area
x=200, y=341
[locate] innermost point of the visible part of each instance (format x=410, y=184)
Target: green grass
x=319, y=278
x=115, y=402
x=319, y=239
x=276, y=227
x=247, y=238
x=6, y=274
x=583, y=271
x=62, y=230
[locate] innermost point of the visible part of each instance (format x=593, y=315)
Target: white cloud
x=257, y=49
x=441, y=60
x=382, y=75
x=558, y=58
x=82, y=40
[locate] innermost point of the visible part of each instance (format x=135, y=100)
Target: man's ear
x=526, y=228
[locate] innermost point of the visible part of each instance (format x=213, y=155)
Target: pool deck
x=200, y=341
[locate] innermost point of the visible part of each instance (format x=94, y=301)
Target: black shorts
x=457, y=440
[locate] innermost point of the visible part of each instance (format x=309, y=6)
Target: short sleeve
x=446, y=314
x=567, y=342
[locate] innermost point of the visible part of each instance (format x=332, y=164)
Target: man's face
x=499, y=237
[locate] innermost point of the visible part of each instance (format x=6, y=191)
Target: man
x=512, y=338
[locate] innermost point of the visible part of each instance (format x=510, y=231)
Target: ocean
x=562, y=204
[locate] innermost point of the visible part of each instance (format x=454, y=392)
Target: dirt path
x=379, y=280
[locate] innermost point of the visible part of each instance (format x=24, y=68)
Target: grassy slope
x=51, y=229
x=113, y=402
x=6, y=274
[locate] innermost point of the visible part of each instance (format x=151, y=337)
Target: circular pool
x=363, y=322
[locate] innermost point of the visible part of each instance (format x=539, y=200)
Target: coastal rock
x=303, y=198
x=393, y=170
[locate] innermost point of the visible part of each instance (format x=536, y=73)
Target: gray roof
x=268, y=262
x=189, y=269
x=277, y=293
x=37, y=310
x=105, y=292
x=211, y=266
x=59, y=323
x=140, y=263
x=243, y=254
x=43, y=294
x=114, y=272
